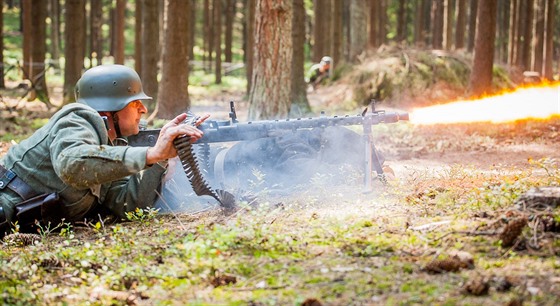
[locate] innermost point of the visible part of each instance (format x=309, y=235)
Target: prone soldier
x=71, y=168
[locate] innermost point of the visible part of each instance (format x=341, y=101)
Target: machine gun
x=233, y=131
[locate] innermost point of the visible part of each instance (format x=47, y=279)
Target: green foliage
x=199, y=80
x=142, y=215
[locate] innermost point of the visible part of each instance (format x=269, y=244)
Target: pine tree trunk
x=228, y=40
x=481, y=75
x=119, y=31
x=502, y=33
x=217, y=9
x=437, y=26
x=513, y=28
x=249, y=42
x=319, y=29
x=521, y=25
x=473, y=8
x=528, y=36
x=96, y=32
x=373, y=23
x=173, y=95
x=358, y=29
x=208, y=34
x=73, y=52
x=419, y=24
x=300, y=104
x=55, y=31
x=150, y=49
x=461, y=21
x=538, y=41
x=327, y=35
x=192, y=28
x=448, y=25
x=27, y=25
x=401, y=22
x=382, y=38
x=39, y=50
x=549, y=40
x=337, y=33
x=138, y=37
x=272, y=72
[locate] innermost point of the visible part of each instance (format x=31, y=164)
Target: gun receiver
x=216, y=131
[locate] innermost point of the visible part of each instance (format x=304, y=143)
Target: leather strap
x=4, y=225
x=10, y=180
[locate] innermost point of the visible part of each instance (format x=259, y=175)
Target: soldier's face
x=129, y=117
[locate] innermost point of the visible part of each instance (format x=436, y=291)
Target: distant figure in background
x=318, y=72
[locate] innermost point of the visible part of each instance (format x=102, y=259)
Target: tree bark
x=249, y=42
x=538, y=41
x=473, y=8
x=271, y=81
x=437, y=26
x=119, y=31
x=513, y=28
x=419, y=24
x=374, y=7
x=502, y=31
x=300, y=104
x=150, y=49
x=401, y=22
x=228, y=40
x=461, y=22
x=96, y=32
x=528, y=36
x=521, y=25
x=217, y=9
x=337, y=39
x=55, y=31
x=358, y=29
x=192, y=27
x=448, y=25
x=481, y=75
x=208, y=34
x=173, y=95
x=74, y=50
x=138, y=37
x=27, y=26
x=549, y=40
x=39, y=50
x=320, y=29
x=382, y=22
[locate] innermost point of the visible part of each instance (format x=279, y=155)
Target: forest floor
x=447, y=229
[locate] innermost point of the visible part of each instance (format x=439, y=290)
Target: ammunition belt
x=199, y=184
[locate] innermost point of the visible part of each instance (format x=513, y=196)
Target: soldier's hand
x=164, y=148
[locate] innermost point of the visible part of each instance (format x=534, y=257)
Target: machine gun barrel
x=227, y=131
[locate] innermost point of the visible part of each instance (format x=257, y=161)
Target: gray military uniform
x=71, y=156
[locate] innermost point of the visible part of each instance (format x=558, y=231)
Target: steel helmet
x=109, y=88
x=326, y=59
